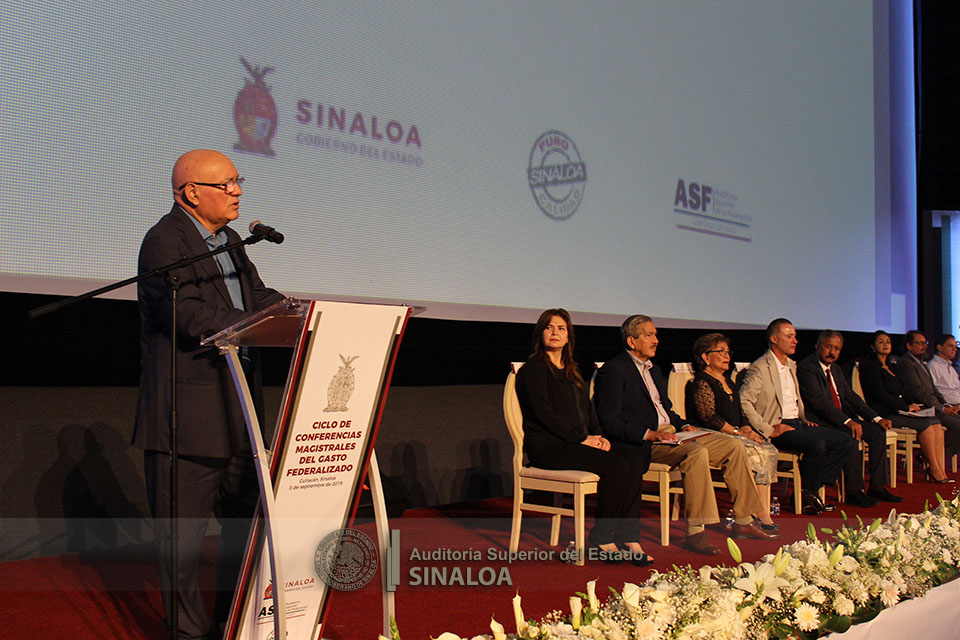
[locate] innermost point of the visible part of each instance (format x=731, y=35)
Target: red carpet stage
x=114, y=594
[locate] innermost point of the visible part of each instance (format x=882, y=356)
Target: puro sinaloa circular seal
x=346, y=559
x=557, y=175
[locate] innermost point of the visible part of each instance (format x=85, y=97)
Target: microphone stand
x=174, y=282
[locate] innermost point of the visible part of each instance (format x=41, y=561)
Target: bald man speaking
x=215, y=463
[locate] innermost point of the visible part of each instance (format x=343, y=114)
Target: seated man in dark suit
x=831, y=402
x=919, y=384
x=770, y=397
x=633, y=407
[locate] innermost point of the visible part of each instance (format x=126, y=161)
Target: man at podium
x=215, y=464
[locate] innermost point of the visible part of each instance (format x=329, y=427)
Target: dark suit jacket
x=883, y=391
x=623, y=402
x=209, y=416
x=918, y=382
x=818, y=401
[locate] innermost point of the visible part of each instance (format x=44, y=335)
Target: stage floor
x=114, y=594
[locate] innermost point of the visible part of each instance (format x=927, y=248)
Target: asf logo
x=692, y=197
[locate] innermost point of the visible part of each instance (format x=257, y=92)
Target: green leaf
x=836, y=624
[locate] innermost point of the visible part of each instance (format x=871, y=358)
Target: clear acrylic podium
x=343, y=358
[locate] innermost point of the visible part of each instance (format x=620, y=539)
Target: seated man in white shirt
x=771, y=400
x=945, y=376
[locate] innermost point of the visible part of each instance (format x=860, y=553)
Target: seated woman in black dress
x=712, y=402
x=883, y=390
x=561, y=431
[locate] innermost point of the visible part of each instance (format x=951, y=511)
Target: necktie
x=833, y=390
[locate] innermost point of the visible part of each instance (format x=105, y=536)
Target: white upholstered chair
x=577, y=483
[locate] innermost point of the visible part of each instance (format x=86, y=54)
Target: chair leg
x=578, y=524
x=797, y=489
x=954, y=463
x=892, y=455
x=555, y=529
x=909, y=462
x=664, y=510
x=517, y=515
x=555, y=519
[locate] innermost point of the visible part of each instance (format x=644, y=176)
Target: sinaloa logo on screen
x=557, y=175
x=334, y=129
x=255, y=113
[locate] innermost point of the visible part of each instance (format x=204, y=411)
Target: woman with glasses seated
x=712, y=402
x=883, y=390
x=561, y=431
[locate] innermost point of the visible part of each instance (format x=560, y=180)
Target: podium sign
x=300, y=548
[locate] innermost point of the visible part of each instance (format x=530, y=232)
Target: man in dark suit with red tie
x=831, y=402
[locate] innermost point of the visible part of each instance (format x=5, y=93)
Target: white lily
x=518, y=615
x=576, y=605
x=781, y=561
x=497, y=629
x=761, y=581
x=592, y=595
x=835, y=555
x=631, y=597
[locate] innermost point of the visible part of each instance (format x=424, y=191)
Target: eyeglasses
x=923, y=342
x=726, y=352
x=223, y=186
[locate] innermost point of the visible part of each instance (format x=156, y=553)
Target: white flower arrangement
x=809, y=587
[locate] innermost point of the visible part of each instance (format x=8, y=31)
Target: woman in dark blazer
x=883, y=390
x=561, y=431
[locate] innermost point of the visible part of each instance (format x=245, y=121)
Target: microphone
x=269, y=234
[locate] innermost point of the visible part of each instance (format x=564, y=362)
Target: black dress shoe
x=640, y=559
x=636, y=558
x=615, y=556
x=810, y=504
x=881, y=493
x=860, y=499
x=773, y=526
x=823, y=506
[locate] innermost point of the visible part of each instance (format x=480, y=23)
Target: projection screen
x=705, y=163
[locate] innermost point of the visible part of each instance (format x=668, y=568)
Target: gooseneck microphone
x=269, y=234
